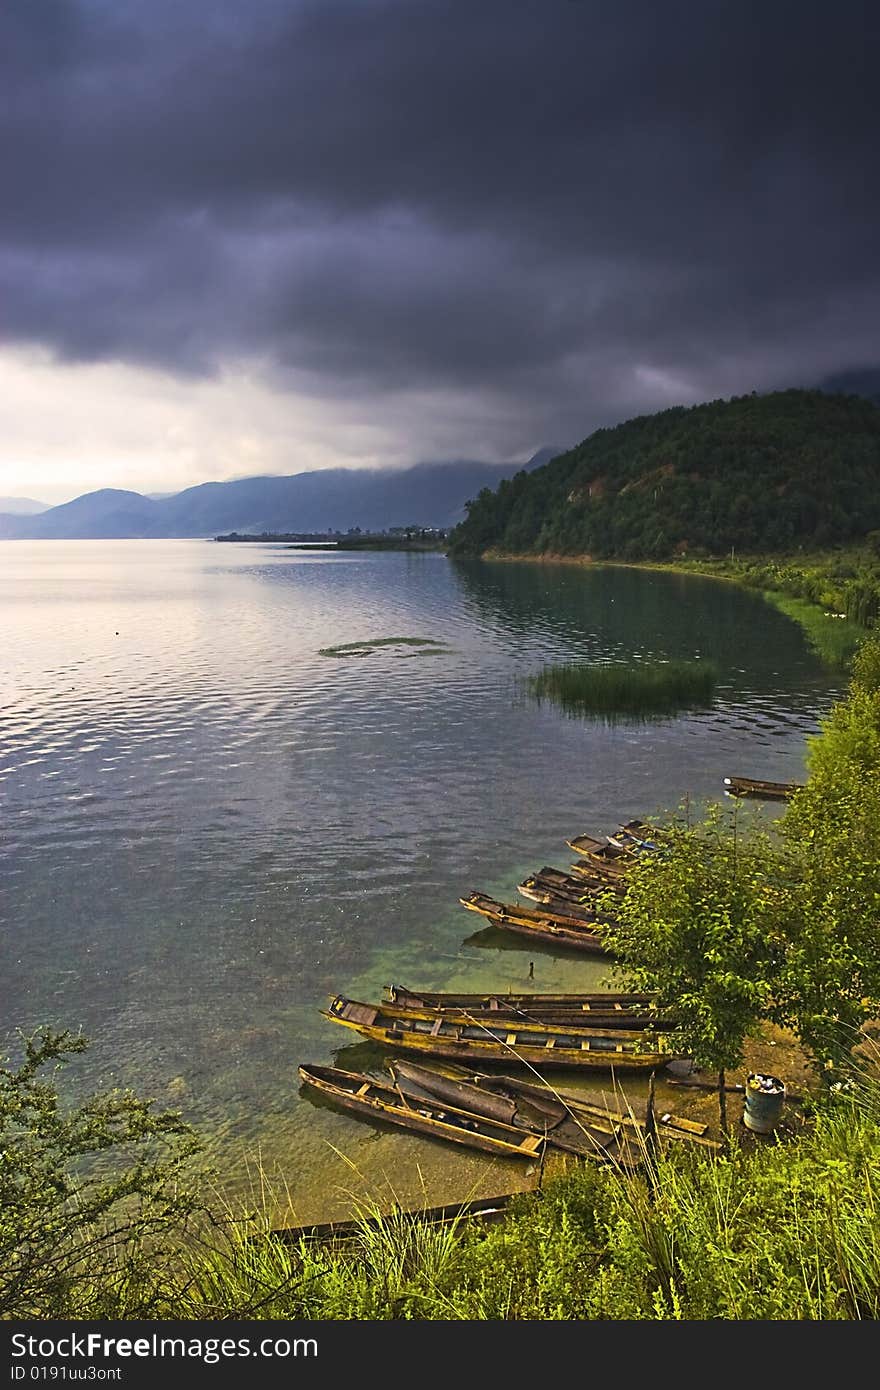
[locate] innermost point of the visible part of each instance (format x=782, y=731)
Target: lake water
x=208, y=827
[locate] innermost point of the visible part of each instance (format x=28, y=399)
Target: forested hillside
x=756, y=473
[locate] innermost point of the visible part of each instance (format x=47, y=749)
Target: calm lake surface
x=207, y=827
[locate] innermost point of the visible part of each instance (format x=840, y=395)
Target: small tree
x=831, y=981
x=692, y=929
x=86, y=1195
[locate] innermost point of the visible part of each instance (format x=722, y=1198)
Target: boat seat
x=362, y=1090
x=438, y=1024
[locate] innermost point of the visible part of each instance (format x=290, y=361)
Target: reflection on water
x=207, y=827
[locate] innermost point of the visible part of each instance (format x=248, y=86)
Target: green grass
x=785, y=1228
x=834, y=640
x=367, y=647
x=635, y=689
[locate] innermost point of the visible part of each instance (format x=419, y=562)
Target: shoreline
x=810, y=617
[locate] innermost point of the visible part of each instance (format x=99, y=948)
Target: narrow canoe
x=427, y=1018
x=543, y=1114
x=550, y=886
x=591, y=848
x=509, y=1042
x=769, y=791
x=585, y=844
x=374, y=1100
x=599, y=870
x=669, y=1126
x=480, y=1210
x=549, y=927
x=635, y=845
x=596, y=1010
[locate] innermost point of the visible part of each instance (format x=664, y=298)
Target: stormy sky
x=271, y=235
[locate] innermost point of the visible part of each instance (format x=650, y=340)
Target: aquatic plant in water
x=426, y=646
x=634, y=689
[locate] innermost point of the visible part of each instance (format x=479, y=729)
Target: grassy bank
x=787, y=1231
x=784, y=1229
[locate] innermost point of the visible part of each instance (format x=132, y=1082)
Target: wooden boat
x=542, y=1112
x=505, y=1041
x=591, y=848
x=550, y=886
x=549, y=927
x=637, y=842
x=480, y=1210
x=615, y=1011
x=390, y=1014
x=631, y=839
x=585, y=844
x=375, y=1100
x=768, y=791
x=547, y=1097
x=596, y=869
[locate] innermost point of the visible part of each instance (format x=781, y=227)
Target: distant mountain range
x=333, y=499
x=22, y=506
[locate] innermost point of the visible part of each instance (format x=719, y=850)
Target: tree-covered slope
x=756, y=473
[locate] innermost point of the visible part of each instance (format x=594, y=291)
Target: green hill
x=759, y=473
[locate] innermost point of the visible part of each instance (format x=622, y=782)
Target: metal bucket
x=764, y=1099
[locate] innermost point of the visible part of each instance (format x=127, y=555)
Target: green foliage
x=831, y=982
x=87, y=1196
x=764, y=472
x=787, y=1232
x=779, y=1231
x=692, y=928
x=636, y=688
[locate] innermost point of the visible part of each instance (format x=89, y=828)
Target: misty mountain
x=428, y=494
x=22, y=506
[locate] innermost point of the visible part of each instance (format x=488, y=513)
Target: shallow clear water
x=208, y=827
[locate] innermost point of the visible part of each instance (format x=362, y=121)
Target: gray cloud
x=582, y=209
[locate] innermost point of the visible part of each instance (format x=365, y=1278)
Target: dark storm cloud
x=538, y=199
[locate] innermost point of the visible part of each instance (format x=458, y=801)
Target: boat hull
x=601, y=1011
x=373, y=1100
x=480, y=1043
x=765, y=791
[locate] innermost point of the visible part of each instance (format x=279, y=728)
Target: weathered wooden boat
x=637, y=842
x=590, y=848
x=479, y=1210
x=375, y=1100
x=627, y=1121
x=548, y=927
x=768, y=791
x=631, y=839
x=391, y=1014
x=559, y=879
x=541, y=1112
x=598, y=869
x=585, y=844
x=632, y=1011
x=507, y=1041
x=562, y=893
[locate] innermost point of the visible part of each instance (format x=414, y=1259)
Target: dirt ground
x=772, y=1051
